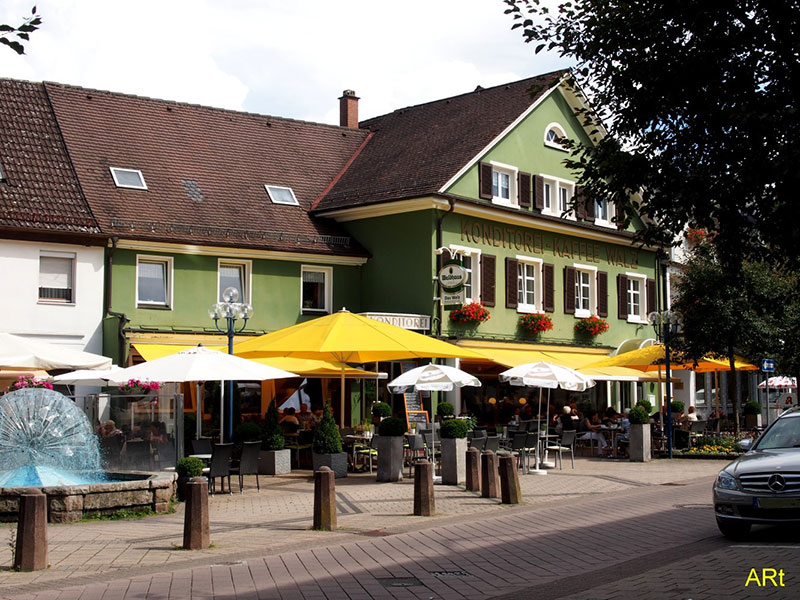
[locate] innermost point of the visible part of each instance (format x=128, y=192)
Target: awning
x=302, y=366
x=575, y=357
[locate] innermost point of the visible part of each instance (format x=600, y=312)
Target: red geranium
x=535, y=323
x=473, y=312
x=593, y=325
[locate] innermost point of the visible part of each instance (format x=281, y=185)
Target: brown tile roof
x=40, y=192
x=416, y=150
x=205, y=171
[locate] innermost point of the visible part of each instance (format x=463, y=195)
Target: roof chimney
x=348, y=109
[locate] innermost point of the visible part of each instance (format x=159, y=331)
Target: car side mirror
x=745, y=445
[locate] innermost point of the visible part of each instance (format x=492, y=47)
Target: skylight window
x=128, y=178
x=281, y=195
x=2, y=174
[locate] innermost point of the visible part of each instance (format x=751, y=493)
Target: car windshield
x=785, y=433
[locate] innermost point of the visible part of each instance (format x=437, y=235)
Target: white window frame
x=642, y=316
x=328, y=272
x=115, y=170
x=548, y=187
x=559, y=131
x=272, y=198
x=169, y=273
x=511, y=171
x=73, y=258
x=538, y=292
x=246, y=278
x=474, y=273
x=582, y=313
x=556, y=185
x=607, y=222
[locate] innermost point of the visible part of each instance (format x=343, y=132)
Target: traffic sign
x=768, y=365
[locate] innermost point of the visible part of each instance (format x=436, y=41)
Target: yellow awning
x=513, y=355
x=621, y=374
x=302, y=366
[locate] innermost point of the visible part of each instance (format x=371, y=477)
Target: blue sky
x=277, y=57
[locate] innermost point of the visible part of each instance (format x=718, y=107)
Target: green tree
x=697, y=107
x=14, y=36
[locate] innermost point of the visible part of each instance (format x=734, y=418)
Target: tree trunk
x=734, y=385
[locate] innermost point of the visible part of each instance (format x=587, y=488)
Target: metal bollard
x=324, y=500
x=490, y=478
x=473, y=470
x=30, y=553
x=196, y=524
x=424, y=504
x=510, y=491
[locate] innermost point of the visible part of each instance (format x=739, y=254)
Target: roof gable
x=40, y=191
x=416, y=150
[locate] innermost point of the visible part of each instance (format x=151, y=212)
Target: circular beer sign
x=452, y=276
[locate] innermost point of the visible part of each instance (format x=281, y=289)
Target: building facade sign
x=537, y=243
x=406, y=321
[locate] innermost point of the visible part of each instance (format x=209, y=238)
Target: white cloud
x=289, y=59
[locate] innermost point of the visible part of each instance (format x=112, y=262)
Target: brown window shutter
x=651, y=296
x=602, y=294
x=619, y=211
x=511, y=282
x=581, y=210
x=538, y=186
x=485, y=181
x=622, y=297
x=569, y=290
x=524, y=188
x=488, y=271
x=548, y=281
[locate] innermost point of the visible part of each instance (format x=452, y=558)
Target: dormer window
x=281, y=195
x=554, y=136
x=2, y=174
x=128, y=178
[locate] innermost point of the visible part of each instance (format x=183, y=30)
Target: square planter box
x=390, y=457
x=454, y=461
x=336, y=462
x=639, y=446
x=275, y=462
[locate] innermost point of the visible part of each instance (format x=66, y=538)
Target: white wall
x=77, y=326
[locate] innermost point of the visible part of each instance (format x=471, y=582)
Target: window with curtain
x=233, y=275
x=315, y=294
x=152, y=282
x=56, y=279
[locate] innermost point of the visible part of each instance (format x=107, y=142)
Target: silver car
x=763, y=485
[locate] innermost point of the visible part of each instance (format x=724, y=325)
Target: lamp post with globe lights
x=231, y=310
x=665, y=324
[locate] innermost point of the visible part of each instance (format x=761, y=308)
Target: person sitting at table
x=289, y=421
x=591, y=429
x=624, y=437
x=688, y=418
x=610, y=415
x=565, y=420
x=304, y=416
x=156, y=435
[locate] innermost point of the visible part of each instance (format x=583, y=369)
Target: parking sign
x=768, y=365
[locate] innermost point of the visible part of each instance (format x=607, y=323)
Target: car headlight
x=726, y=481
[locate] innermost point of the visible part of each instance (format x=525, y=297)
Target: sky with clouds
x=276, y=57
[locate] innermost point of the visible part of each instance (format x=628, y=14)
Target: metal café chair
x=492, y=443
x=248, y=465
x=415, y=450
x=220, y=467
x=478, y=442
x=566, y=443
x=519, y=448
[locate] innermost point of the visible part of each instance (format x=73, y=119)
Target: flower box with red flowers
x=535, y=323
x=592, y=326
x=471, y=313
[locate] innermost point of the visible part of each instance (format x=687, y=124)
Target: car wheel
x=733, y=530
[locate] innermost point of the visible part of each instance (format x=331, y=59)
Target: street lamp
x=231, y=310
x=665, y=324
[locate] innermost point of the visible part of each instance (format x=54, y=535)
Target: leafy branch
x=13, y=37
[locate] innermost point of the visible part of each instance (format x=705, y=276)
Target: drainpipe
x=123, y=318
x=439, y=220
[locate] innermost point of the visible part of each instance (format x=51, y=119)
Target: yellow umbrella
x=345, y=337
x=652, y=358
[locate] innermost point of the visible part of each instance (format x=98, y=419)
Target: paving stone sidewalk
x=474, y=548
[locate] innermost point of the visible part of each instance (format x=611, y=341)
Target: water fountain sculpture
x=47, y=442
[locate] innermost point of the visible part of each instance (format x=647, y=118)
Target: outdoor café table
x=352, y=442
x=611, y=433
x=543, y=440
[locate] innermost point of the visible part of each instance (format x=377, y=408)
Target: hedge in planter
x=186, y=469
x=381, y=410
x=390, y=449
x=273, y=459
x=639, y=443
x=445, y=409
x=454, y=450
x=327, y=445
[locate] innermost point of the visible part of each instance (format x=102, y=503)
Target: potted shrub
x=389, y=444
x=327, y=446
x=646, y=405
x=752, y=414
x=186, y=469
x=445, y=410
x=380, y=410
x=454, y=451
x=639, y=445
x=535, y=323
x=273, y=459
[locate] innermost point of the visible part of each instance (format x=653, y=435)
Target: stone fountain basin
x=130, y=490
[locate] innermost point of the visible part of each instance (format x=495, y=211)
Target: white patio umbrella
x=200, y=364
x=432, y=378
x=779, y=383
x=17, y=351
x=548, y=376
x=98, y=377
